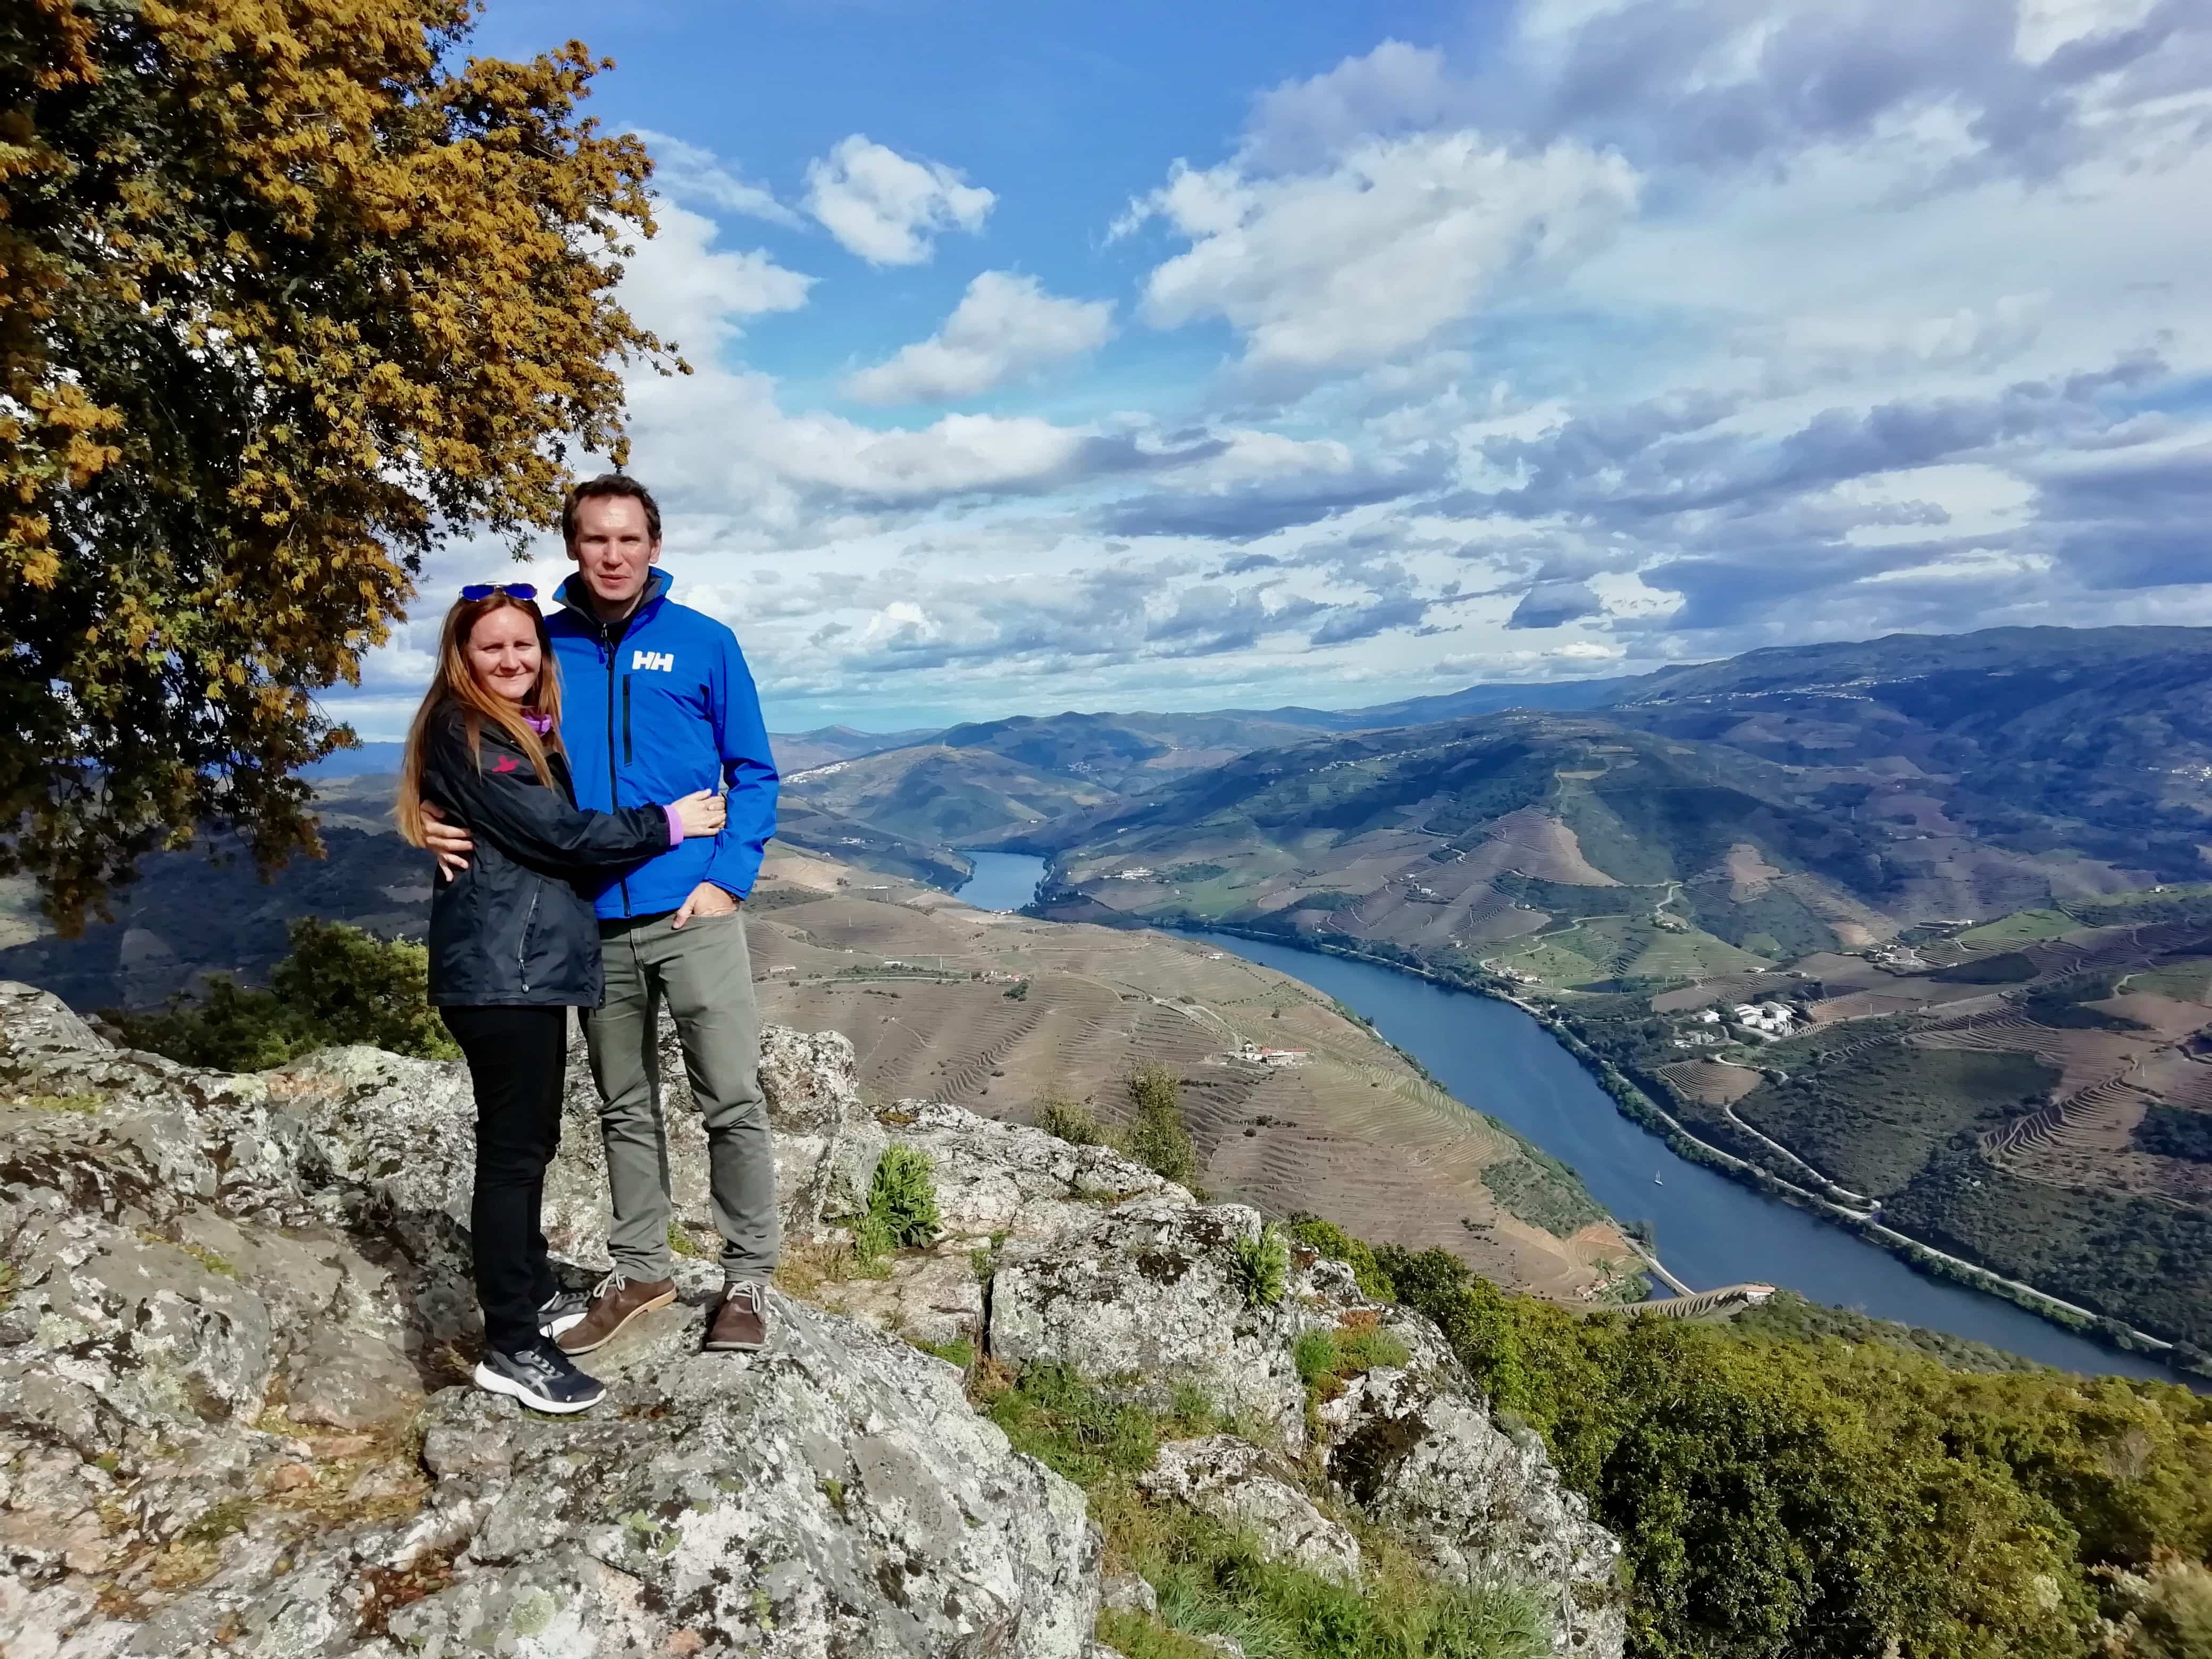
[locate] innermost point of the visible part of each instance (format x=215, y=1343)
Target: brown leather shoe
x=615, y=1302
x=740, y=1321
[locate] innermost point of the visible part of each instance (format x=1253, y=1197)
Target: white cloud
x=1004, y=325
x=1376, y=254
x=698, y=177
x=885, y=207
x=1654, y=330
x=685, y=290
x=1301, y=125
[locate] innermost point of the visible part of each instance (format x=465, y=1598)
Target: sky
x=1195, y=356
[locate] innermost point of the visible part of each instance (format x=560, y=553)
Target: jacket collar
x=577, y=597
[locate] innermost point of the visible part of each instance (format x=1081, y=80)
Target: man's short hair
x=612, y=486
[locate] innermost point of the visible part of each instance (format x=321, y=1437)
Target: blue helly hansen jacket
x=651, y=709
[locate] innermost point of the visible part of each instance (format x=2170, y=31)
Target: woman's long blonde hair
x=455, y=683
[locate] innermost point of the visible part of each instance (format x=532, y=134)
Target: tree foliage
x=1819, y=1498
x=338, y=984
x=287, y=293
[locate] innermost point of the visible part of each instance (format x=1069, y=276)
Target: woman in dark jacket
x=514, y=945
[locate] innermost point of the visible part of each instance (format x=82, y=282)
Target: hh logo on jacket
x=663, y=660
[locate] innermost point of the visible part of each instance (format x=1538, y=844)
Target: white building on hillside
x=1772, y=1018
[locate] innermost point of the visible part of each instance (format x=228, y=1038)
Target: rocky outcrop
x=995, y=1179
x=1251, y=1491
x=1145, y=1299
x=836, y=1495
x=1427, y=1461
x=233, y=1312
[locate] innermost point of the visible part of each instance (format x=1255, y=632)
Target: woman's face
x=503, y=653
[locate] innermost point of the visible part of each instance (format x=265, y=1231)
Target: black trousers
x=517, y=1059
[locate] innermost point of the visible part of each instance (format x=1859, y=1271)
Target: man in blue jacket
x=656, y=701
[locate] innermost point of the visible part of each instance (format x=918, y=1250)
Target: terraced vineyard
x=2034, y=1093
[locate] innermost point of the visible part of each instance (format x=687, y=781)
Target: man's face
x=613, y=549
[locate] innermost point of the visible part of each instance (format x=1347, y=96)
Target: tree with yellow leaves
x=288, y=292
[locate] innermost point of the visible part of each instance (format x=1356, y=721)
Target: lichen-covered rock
x=1427, y=1461
x=995, y=1178
x=933, y=1296
x=1146, y=1300
x=1250, y=1490
x=835, y=1495
x=993, y=1183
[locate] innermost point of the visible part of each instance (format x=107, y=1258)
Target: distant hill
x=794, y=751
x=1473, y=700
x=944, y=796
x=1459, y=836
x=2012, y=742
x=1784, y=801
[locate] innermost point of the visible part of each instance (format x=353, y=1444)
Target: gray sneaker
x=562, y=1310
x=541, y=1377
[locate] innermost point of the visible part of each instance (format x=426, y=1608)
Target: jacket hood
x=577, y=596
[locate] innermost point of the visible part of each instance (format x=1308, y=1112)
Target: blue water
x=1709, y=1230
x=1002, y=881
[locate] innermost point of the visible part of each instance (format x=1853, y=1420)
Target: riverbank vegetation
x=1806, y=1487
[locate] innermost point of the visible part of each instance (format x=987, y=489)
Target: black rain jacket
x=517, y=929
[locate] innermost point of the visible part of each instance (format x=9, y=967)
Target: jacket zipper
x=522, y=949
x=614, y=778
x=626, y=750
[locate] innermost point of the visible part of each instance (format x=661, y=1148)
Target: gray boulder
x=1482, y=1505
x=835, y=1495
x=1251, y=1491
x=993, y=1178
x=1144, y=1299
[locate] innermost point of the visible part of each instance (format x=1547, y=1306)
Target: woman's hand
x=701, y=813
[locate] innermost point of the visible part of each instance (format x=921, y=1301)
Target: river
x=1709, y=1230
x=1002, y=881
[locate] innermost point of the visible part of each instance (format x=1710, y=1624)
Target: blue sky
x=1190, y=357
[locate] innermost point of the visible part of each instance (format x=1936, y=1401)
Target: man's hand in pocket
x=705, y=900
x=449, y=843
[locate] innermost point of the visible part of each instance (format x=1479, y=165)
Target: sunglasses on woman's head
x=476, y=591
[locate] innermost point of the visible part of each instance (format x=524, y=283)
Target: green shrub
x=1824, y=1499
x=339, y=984
x=1369, y=1348
x=1322, y=1353
x=872, y=1240
x=1157, y=1138
x=1070, y=1120
x=903, y=1197
x=1261, y=1268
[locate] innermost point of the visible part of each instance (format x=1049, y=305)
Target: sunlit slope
x=1561, y=846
